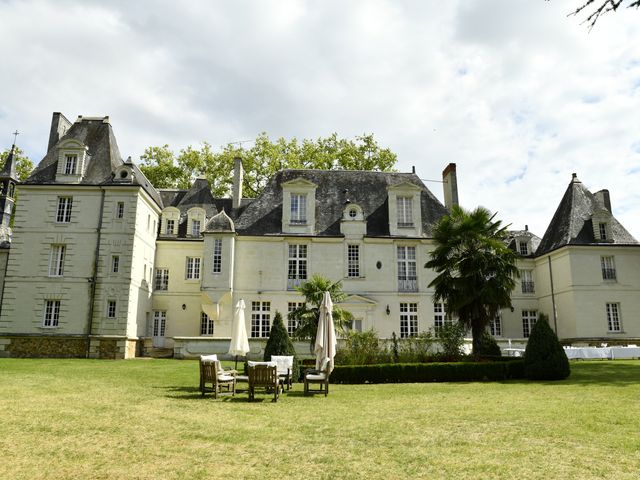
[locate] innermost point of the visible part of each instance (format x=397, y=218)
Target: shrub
x=451, y=339
x=416, y=349
x=544, y=358
x=487, y=346
x=362, y=348
x=279, y=343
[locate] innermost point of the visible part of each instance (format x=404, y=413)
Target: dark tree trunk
x=477, y=329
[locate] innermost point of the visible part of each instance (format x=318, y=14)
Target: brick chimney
x=238, y=176
x=450, y=185
x=59, y=126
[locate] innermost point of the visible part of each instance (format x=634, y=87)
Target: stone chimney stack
x=603, y=199
x=450, y=185
x=238, y=176
x=59, y=126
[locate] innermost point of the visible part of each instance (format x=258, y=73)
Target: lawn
x=145, y=419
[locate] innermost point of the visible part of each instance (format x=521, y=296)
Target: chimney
x=603, y=199
x=450, y=185
x=238, y=175
x=59, y=126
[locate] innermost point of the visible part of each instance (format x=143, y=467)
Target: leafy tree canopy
x=24, y=166
x=165, y=169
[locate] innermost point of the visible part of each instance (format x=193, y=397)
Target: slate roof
x=513, y=235
x=572, y=225
x=220, y=223
x=9, y=167
x=334, y=187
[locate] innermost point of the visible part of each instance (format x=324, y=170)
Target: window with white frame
x=56, y=261
x=608, y=268
x=407, y=273
x=292, y=323
x=613, y=317
x=162, y=279
x=602, y=230
x=440, y=317
x=356, y=325
x=260, y=319
x=217, y=255
x=120, y=210
x=529, y=318
x=193, y=268
x=297, y=266
x=353, y=261
x=63, y=214
x=115, y=263
x=159, y=323
x=299, y=208
x=111, y=309
x=408, y=319
x=523, y=247
x=51, y=313
x=495, y=326
x=195, y=228
x=404, y=210
x=170, y=228
x=206, y=324
x=526, y=281
x=70, y=164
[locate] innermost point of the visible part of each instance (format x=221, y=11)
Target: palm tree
x=308, y=314
x=475, y=269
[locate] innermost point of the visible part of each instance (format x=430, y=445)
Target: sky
x=515, y=92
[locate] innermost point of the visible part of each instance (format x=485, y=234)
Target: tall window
x=602, y=229
x=195, y=228
x=440, y=317
x=64, y=209
x=297, y=270
x=298, y=208
x=353, y=261
x=51, y=313
x=495, y=326
x=217, y=255
x=404, y=211
x=613, y=317
x=56, y=261
x=193, y=268
x=71, y=162
x=407, y=276
x=159, y=323
x=115, y=263
x=408, y=319
x=206, y=324
x=523, y=248
x=292, y=324
x=608, y=268
x=260, y=319
x=526, y=280
x=120, y=210
x=162, y=279
x=170, y=227
x=529, y=318
x=111, y=309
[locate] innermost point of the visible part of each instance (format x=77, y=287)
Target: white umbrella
x=239, y=342
x=325, y=346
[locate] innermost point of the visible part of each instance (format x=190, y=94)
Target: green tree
x=279, y=343
x=24, y=165
x=544, y=358
x=308, y=315
x=475, y=270
x=265, y=157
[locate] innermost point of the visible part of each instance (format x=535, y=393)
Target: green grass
x=145, y=419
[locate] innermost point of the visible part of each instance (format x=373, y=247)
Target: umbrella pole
x=236, y=367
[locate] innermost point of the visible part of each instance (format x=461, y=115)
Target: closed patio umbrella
x=239, y=342
x=325, y=346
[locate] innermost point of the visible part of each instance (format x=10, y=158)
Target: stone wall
x=43, y=347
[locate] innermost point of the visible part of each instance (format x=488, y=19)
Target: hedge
x=428, y=372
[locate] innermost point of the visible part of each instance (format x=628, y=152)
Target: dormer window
x=404, y=212
x=352, y=213
x=196, y=218
x=298, y=208
x=195, y=228
x=170, y=228
x=71, y=164
x=405, y=209
x=169, y=221
x=73, y=158
x=523, y=247
x=602, y=229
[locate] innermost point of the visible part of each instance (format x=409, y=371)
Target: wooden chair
x=212, y=373
x=318, y=377
x=284, y=364
x=263, y=375
x=205, y=358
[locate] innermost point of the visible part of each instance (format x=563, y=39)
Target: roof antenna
x=413, y=169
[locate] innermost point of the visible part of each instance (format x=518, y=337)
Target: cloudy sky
x=515, y=92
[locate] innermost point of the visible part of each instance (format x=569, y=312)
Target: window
x=260, y=319
x=526, y=280
x=297, y=271
x=170, y=228
x=404, y=211
x=353, y=261
x=206, y=324
x=195, y=228
x=115, y=263
x=71, y=162
x=193, y=268
x=120, y=210
x=523, y=248
x=56, y=261
x=51, y=313
x=602, y=229
x=159, y=323
x=408, y=319
x=217, y=255
x=440, y=318
x=298, y=208
x=356, y=325
x=292, y=324
x=162, y=279
x=608, y=268
x=529, y=318
x=64, y=209
x=407, y=276
x=111, y=309
x=495, y=326
x=613, y=317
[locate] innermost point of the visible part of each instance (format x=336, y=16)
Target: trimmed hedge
x=428, y=372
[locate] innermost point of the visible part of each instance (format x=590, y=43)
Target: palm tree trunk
x=476, y=332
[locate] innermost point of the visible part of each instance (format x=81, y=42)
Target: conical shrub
x=544, y=358
x=488, y=347
x=279, y=343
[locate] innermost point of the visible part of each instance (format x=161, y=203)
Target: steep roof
x=572, y=224
x=334, y=187
x=514, y=235
x=9, y=167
